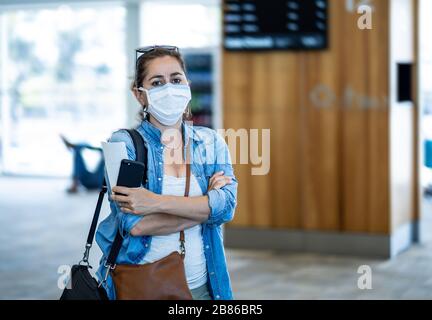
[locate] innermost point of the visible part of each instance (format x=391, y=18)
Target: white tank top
x=162, y=246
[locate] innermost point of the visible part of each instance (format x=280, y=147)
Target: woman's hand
x=218, y=180
x=141, y=201
x=138, y=201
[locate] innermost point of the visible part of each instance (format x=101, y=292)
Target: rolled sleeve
x=216, y=199
x=222, y=206
x=223, y=201
x=127, y=222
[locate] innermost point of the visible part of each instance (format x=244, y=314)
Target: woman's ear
x=140, y=96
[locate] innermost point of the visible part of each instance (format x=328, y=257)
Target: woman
x=151, y=218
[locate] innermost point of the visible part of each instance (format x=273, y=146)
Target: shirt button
x=218, y=296
x=161, y=147
x=207, y=246
x=146, y=245
x=159, y=179
x=212, y=273
x=160, y=163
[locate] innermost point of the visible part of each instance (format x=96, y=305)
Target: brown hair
x=142, y=69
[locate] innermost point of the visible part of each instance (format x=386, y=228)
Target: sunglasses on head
x=144, y=50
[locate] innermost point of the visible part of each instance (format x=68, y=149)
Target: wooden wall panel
x=285, y=140
x=378, y=123
x=329, y=119
x=236, y=95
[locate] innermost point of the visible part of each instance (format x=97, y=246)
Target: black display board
x=275, y=24
x=200, y=72
x=404, y=83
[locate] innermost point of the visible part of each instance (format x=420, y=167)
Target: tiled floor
x=42, y=228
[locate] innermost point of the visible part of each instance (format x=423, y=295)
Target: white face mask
x=168, y=102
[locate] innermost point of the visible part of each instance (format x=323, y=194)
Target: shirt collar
x=154, y=133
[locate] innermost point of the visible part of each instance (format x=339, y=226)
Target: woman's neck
x=170, y=138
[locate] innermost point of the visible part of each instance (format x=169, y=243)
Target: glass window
x=186, y=25
x=63, y=70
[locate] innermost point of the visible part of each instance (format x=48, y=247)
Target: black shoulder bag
x=82, y=285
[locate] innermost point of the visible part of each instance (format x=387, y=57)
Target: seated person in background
x=81, y=175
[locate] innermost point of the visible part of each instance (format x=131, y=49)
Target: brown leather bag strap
x=187, y=180
x=186, y=194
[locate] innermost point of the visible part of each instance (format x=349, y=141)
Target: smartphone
x=131, y=173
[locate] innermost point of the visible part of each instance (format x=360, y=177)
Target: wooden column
x=330, y=115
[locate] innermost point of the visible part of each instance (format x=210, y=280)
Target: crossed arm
x=189, y=213
x=166, y=214
x=161, y=224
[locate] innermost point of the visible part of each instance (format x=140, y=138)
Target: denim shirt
x=209, y=154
